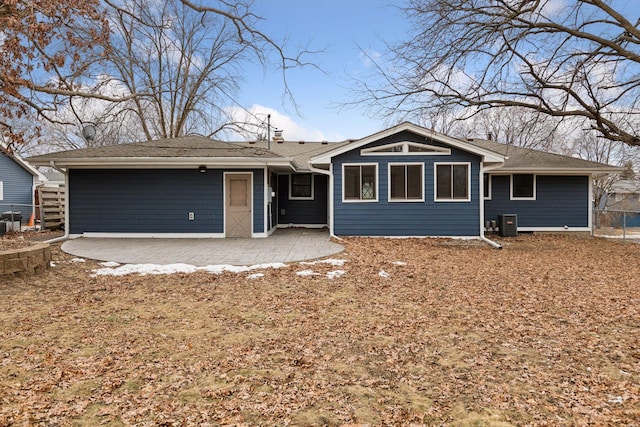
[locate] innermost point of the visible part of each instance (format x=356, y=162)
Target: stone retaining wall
x=32, y=260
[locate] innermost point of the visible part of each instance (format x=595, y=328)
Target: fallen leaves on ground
x=543, y=332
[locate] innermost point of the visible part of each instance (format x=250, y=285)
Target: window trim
x=490, y=178
x=405, y=200
x=374, y=200
x=437, y=151
x=435, y=182
x=1, y=190
x=312, y=197
x=535, y=187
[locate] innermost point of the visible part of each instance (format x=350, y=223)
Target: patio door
x=237, y=205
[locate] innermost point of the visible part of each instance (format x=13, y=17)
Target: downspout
x=328, y=173
x=66, y=205
x=481, y=185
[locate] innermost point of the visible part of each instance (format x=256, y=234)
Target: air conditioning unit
x=508, y=225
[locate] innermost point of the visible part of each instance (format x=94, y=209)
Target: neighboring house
x=624, y=194
x=18, y=180
x=403, y=181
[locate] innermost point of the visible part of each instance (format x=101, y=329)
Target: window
x=301, y=186
x=487, y=186
x=452, y=182
x=360, y=183
x=523, y=186
x=406, y=182
x=1, y=191
x=406, y=148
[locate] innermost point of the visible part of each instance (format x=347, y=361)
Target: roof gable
x=429, y=135
x=23, y=164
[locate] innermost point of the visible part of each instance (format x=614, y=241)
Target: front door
x=238, y=205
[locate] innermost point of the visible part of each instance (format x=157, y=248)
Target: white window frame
x=375, y=200
x=291, y=187
x=405, y=200
x=1, y=190
x=435, y=182
x=490, y=178
x=375, y=151
x=535, y=187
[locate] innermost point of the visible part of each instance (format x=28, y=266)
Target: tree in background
x=155, y=69
x=563, y=59
x=46, y=47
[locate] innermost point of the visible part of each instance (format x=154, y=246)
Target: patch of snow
x=109, y=264
x=335, y=273
x=616, y=399
x=255, y=276
x=78, y=260
x=52, y=263
x=307, y=273
x=334, y=262
x=383, y=273
x=398, y=263
x=144, y=269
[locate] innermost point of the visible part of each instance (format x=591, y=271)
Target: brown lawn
x=543, y=332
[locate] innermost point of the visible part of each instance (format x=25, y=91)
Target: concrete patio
x=285, y=245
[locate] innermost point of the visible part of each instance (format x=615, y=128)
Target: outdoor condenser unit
x=508, y=225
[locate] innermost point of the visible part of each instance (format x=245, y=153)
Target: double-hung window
x=523, y=186
x=360, y=182
x=452, y=182
x=406, y=182
x=301, y=186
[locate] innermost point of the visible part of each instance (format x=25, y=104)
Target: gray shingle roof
x=519, y=158
x=300, y=152
x=199, y=147
x=185, y=147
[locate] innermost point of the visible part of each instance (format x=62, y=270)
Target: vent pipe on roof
x=490, y=136
x=300, y=142
x=325, y=142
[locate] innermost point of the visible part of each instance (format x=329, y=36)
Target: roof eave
x=162, y=162
x=560, y=171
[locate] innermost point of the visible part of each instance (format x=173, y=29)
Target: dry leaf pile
x=543, y=332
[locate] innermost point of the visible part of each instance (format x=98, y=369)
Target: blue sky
x=340, y=29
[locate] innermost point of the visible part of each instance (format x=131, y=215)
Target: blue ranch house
x=403, y=181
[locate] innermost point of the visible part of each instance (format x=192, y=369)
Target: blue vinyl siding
x=17, y=184
x=152, y=201
x=258, y=201
x=312, y=212
x=428, y=218
x=560, y=201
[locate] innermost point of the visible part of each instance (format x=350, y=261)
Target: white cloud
x=369, y=56
x=256, y=119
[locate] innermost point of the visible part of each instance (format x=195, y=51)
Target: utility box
x=508, y=225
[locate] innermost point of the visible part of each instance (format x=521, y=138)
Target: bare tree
x=516, y=126
x=564, y=59
x=591, y=146
x=60, y=51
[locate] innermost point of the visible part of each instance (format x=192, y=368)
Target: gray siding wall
x=312, y=212
x=428, y=218
x=152, y=201
x=560, y=201
x=17, y=187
